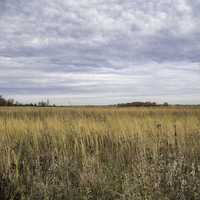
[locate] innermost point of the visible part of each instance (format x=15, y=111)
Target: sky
x=100, y=51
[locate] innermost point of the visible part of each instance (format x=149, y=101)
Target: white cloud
x=108, y=48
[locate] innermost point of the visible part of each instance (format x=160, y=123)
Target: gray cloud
x=83, y=51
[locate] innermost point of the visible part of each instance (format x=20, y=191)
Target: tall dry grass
x=100, y=153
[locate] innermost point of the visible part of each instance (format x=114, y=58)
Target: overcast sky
x=100, y=51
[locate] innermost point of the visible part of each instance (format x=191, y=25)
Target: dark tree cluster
x=6, y=102
x=141, y=104
x=11, y=102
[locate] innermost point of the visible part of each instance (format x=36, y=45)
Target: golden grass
x=100, y=153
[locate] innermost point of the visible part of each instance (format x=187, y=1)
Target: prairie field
x=100, y=153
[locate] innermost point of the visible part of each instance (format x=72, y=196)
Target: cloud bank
x=100, y=51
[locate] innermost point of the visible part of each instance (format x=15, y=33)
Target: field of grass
x=100, y=153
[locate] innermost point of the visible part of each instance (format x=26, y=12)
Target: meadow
x=100, y=153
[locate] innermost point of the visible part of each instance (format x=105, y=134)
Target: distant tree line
x=141, y=104
x=12, y=102
x=6, y=102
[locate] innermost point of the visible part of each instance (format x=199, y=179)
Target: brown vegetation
x=100, y=153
